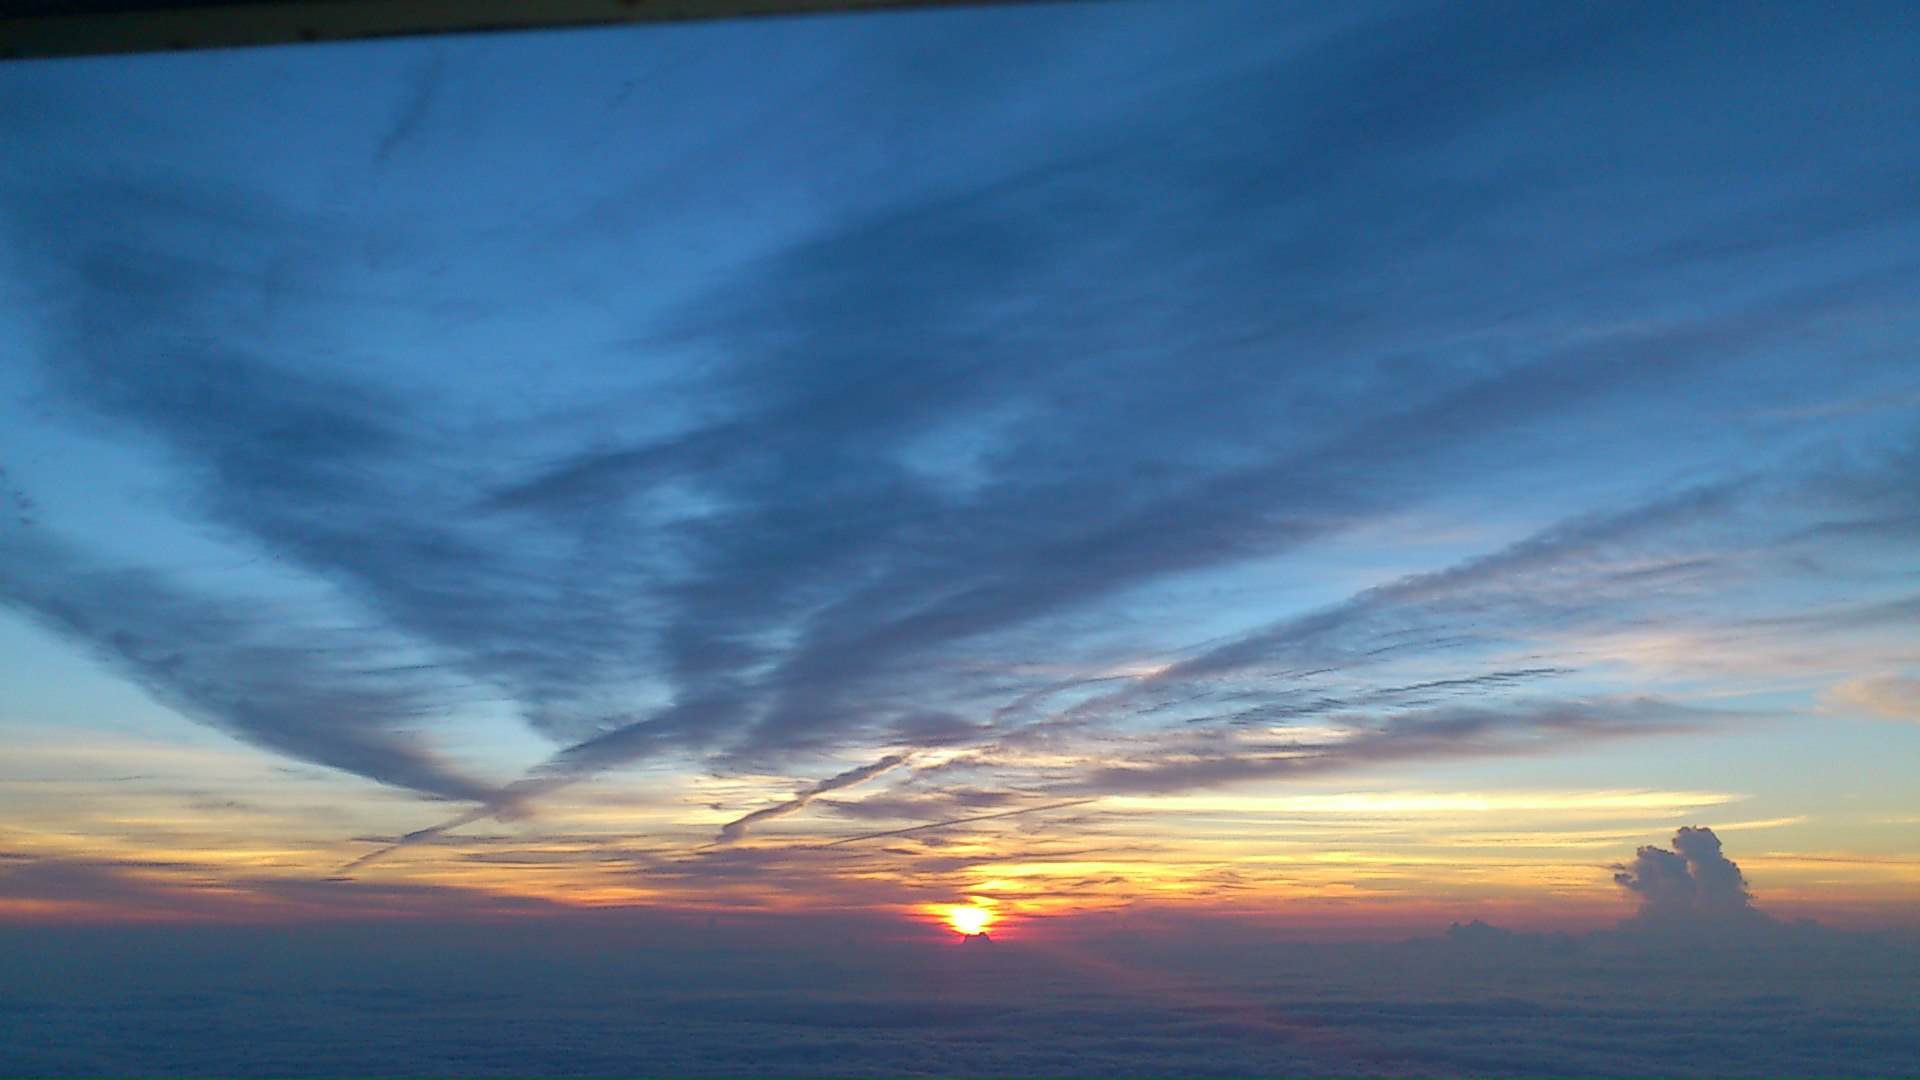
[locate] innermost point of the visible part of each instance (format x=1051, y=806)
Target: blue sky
x=522, y=456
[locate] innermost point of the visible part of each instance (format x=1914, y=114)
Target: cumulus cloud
x=1694, y=882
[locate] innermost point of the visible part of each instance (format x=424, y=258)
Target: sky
x=1341, y=469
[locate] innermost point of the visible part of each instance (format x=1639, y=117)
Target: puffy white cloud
x=1694, y=883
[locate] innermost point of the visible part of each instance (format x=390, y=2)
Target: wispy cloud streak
x=1368, y=384
x=240, y=665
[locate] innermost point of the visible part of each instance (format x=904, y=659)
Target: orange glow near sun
x=969, y=919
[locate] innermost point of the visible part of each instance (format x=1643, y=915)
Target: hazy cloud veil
x=1345, y=398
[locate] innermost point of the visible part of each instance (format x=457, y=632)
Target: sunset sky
x=1339, y=467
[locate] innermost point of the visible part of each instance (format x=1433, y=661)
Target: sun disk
x=968, y=919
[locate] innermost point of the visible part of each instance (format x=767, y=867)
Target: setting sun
x=969, y=920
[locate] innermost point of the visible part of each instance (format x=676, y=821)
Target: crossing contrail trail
x=956, y=821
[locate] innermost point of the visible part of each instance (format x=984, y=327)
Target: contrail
x=415, y=837
x=513, y=795
x=737, y=828
x=955, y=821
x=507, y=801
